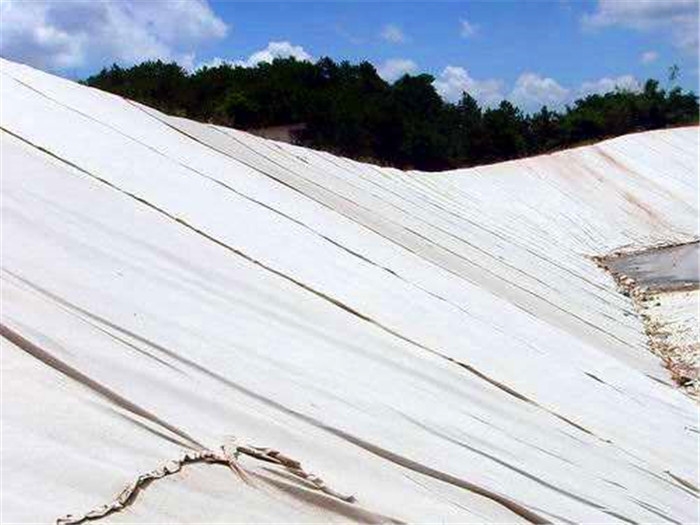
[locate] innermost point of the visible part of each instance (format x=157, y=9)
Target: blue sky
x=530, y=51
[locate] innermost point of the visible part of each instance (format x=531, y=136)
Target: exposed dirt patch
x=664, y=284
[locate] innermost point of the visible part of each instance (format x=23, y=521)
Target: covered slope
x=441, y=346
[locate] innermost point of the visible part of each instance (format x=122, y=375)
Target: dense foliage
x=350, y=110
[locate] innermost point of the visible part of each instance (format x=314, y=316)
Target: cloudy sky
x=532, y=52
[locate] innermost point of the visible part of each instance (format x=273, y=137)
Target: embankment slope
x=441, y=346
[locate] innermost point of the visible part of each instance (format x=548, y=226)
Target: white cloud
x=532, y=91
x=395, y=68
x=342, y=32
x=607, y=84
x=214, y=62
x=454, y=80
x=648, y=57
x=272, y=51
x=393, y=33
x=676, y=18
x=276, y=50
x=467, y=29
x=61, y=34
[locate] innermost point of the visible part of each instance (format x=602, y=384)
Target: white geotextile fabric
x=439, y=345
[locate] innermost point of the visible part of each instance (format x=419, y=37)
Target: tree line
x=350, y=110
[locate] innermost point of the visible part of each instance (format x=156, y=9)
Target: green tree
x=350, y=110
x=505, y=132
